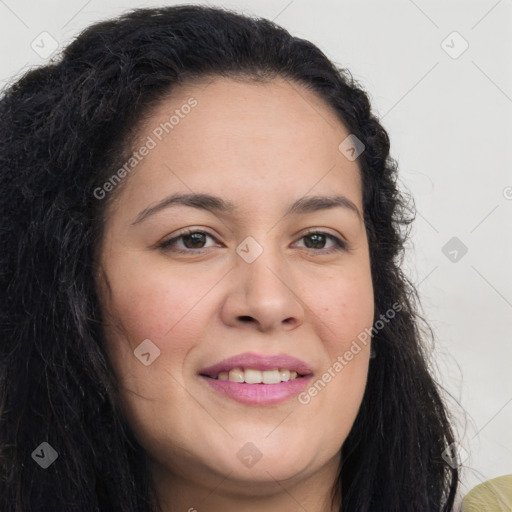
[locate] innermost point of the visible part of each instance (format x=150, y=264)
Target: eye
x=317, y=238
x=194, y=240
x=191, y=239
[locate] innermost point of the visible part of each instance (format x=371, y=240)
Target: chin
x=268, y=470
x=260, y=460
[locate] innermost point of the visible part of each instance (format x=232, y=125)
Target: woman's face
x=257, y=277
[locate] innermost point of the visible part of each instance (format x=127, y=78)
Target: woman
x=276, y=365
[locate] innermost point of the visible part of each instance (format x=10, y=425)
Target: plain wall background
x=449, y=118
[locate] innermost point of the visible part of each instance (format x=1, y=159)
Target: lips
x=259, y=362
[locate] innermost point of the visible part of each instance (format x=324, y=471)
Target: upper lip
x=258, y=362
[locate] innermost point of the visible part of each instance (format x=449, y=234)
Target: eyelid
x=341, y=244
x=185, y=232
x=322, y=230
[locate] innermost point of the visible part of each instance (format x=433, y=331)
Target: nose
x=263, y=294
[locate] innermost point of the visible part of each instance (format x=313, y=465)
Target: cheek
x=154, y=302
x=344, y=307
x=353, y=314
x=143, y=305
x=344, y=311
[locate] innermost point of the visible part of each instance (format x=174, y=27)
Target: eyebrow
x=219, y=205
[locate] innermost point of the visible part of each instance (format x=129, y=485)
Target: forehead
x=243, y=138
x=277, y=110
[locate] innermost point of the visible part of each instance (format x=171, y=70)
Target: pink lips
x=259, y=394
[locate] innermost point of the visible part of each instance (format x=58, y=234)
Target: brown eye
x=191, y=240
x=318, y=239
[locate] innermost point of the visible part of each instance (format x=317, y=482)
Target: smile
x=258, y=393
x=252, y=376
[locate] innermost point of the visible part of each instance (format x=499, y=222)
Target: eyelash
x=340, y=245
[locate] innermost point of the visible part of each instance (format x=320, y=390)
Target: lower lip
x=259, y=394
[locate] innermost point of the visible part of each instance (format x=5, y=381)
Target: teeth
x=251, y=376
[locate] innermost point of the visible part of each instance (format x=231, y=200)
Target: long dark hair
x=63, y=128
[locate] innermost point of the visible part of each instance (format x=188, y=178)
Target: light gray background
x=450, y=124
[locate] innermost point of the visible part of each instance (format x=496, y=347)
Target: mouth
x=257, y=393
x=254, y=376
x=258, y=379
x=252, y=368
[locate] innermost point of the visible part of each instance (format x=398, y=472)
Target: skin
x=262, y=146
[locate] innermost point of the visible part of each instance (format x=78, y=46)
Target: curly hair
x=64, y=127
